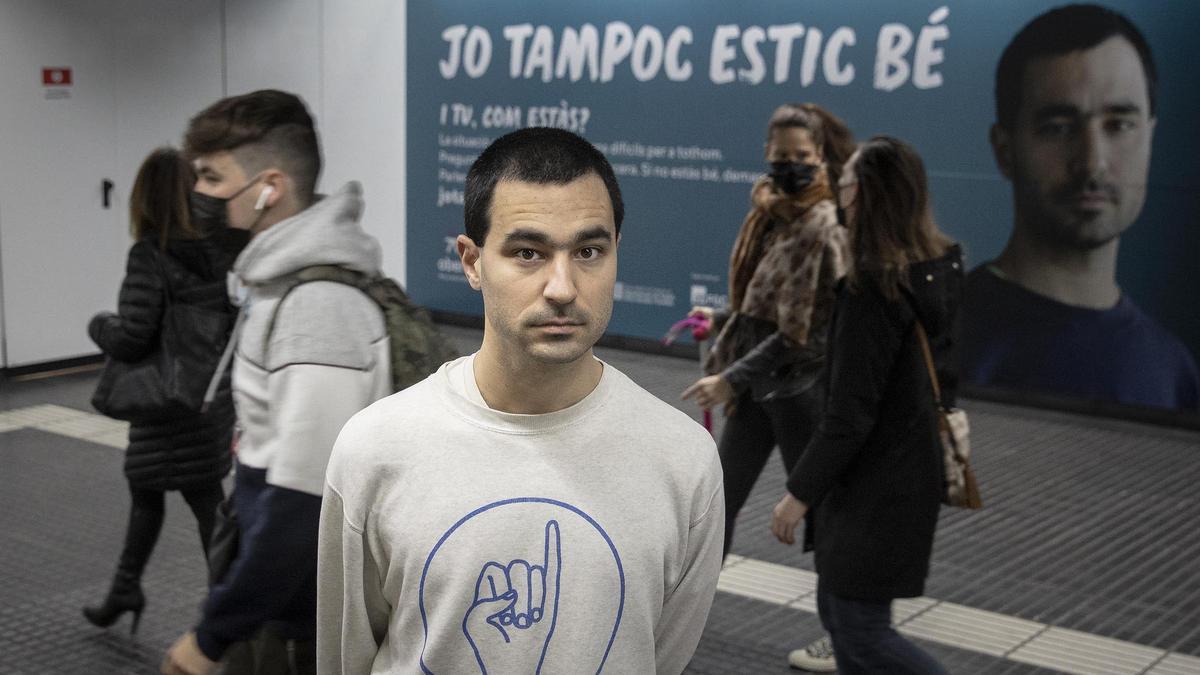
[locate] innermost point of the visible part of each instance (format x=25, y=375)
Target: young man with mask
x=1075, y=117
x=302, y=367
x=527, y=508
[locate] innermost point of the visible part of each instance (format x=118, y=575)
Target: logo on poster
x=643, y=295
x=699, y=295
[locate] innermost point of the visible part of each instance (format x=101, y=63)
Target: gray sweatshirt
x=457, y=539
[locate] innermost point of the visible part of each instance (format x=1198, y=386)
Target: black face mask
x=210, y=215
x=792, y=177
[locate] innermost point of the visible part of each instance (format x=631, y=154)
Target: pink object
x=700, y=328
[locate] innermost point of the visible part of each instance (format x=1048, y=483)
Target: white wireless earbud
x=262, y=198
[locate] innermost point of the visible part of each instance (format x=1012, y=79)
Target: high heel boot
x=126, y=595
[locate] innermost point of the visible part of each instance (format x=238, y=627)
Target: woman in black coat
x=189, y=453
x=873, y=472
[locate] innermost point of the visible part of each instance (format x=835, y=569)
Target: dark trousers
x=751, y=432
x=864, y=640
x=269, y=653
x=146, y=515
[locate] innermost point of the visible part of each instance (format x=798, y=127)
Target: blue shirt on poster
x=1018, y=339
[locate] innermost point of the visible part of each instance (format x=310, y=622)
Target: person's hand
x=702, y=311
x=709, y=392
x=97, y=322
x=511, y=621
x=787, y=515
x=185, y=658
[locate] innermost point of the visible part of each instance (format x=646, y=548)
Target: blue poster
x=677, y=95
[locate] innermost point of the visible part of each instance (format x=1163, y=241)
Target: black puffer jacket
x=191, y=450
x=873, y=471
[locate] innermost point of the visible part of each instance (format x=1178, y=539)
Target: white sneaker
x=817, y=657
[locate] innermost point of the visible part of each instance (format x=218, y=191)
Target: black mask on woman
x=792, y=177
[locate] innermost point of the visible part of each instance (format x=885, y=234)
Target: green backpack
x=417, y=347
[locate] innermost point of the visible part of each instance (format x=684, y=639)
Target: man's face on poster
x=1079, y=152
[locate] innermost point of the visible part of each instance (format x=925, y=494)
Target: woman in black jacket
x=187, y=453
x=873, y=471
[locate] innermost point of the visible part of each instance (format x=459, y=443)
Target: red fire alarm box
x=56, y=77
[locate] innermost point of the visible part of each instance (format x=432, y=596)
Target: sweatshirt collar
x=518, y=424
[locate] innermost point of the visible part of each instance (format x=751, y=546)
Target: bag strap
x=223, y=364
x=929, y=367
x=926, y=352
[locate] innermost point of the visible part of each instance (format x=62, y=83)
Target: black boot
x=124, y=596
x=126, y=592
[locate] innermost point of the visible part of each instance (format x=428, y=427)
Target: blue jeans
x=864, y=640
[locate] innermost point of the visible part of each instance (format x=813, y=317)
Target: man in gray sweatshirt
x=306, y=360
x=527, y=508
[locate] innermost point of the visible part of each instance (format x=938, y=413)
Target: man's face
x=547, y=268
x=1079, y=152
x=220, y=175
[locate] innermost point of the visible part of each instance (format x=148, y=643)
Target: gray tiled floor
x=1089, y=525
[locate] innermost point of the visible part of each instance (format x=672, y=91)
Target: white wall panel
x=275, y=44
x=167, y=68
x=140, y=69
x=364, y=114
x=57, y=243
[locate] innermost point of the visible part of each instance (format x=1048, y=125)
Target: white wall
x=142, y=68
x=347, y=61
x=274, y=44
x=139, y=66
x=363, y=113
x=167, y=66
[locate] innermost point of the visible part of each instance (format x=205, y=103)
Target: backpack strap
x=290, y=282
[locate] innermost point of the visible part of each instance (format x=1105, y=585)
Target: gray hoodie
x=327, y=359
x=328, y=356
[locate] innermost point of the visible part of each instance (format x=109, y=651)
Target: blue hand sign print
x=517, y=602
x=521, y=586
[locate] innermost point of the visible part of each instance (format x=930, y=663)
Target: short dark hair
x=539, y=155
x=1057, y=32
x=262, y=129
x=158, y=203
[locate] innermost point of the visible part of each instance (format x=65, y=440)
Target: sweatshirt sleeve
x=130, y=334
x=685, y=609
x=277, y=558
x=324, y=368
x=352, y=614
x=866, y=344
